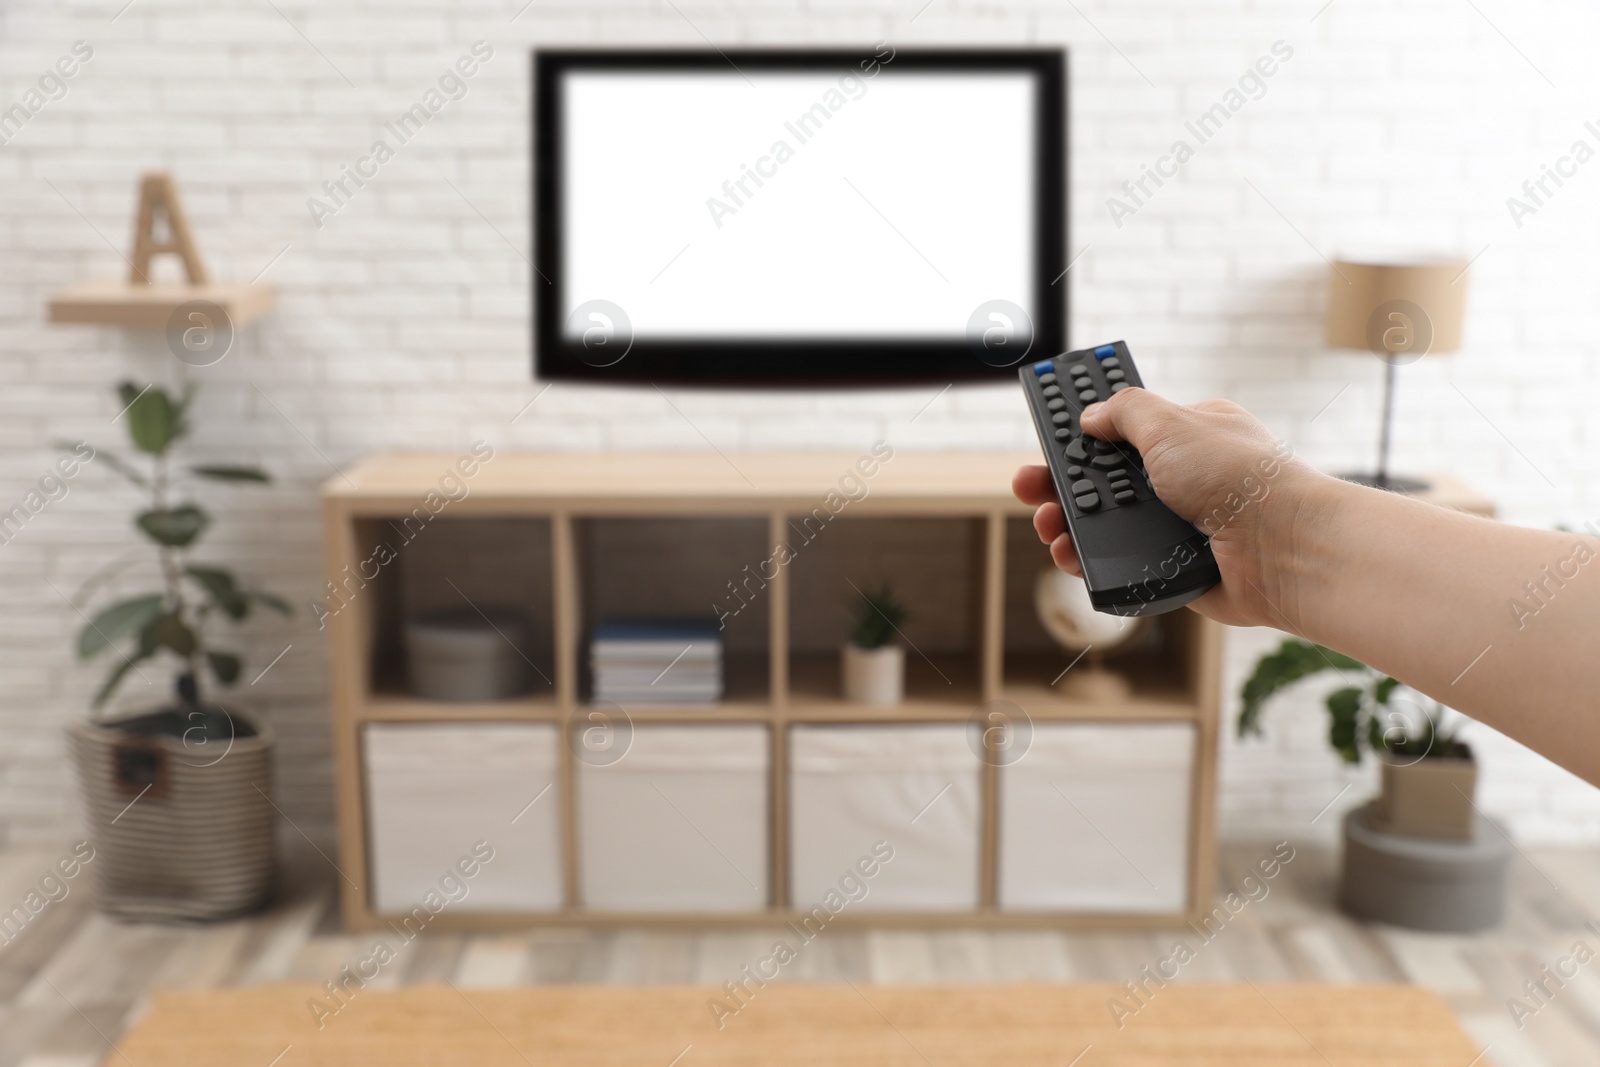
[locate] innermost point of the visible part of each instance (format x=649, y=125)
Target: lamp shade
x=1396, y=309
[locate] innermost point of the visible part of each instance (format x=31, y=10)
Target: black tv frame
x=812, y=361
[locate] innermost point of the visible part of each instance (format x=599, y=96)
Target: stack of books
x=657, y=661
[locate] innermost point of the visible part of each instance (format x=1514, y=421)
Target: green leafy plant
x=1359, y=714
x=878, y=619
x=172, y=620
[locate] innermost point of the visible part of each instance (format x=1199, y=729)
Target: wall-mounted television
x=832, y=218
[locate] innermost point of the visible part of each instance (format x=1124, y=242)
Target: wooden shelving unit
x=783, y=683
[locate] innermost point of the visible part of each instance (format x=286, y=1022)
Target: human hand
x=1217, y=466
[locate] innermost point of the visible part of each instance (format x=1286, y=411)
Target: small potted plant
x=178, y=796
x=874, y=666
x=1428, y=774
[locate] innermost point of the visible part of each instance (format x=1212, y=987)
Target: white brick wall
x=403, y=320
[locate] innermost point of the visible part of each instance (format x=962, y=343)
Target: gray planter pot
x=178, y=807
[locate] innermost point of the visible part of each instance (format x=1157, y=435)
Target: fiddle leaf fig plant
x=172, y=620
x=1359, y=715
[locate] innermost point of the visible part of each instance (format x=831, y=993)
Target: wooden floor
x=71, y=982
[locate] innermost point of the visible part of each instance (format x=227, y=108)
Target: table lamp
x=1400, y=312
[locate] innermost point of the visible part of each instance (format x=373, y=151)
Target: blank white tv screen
x=791, y=205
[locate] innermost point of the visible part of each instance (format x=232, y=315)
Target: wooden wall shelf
x=562, y=500
x=149, y=307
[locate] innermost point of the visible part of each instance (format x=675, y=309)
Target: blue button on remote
x=1043, y=368
x=1104, y=351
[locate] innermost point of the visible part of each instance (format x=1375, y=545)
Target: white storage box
x=915, y=787
x=436, y=789
x=679, y=822
x=1096, y=818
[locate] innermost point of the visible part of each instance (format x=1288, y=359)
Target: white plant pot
x=874, y=676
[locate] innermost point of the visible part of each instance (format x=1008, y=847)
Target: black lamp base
x=1389, y=482
x=1382, y=479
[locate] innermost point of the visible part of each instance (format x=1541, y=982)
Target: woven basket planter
x=178, y=807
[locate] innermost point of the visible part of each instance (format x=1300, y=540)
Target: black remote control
x=1138, y=557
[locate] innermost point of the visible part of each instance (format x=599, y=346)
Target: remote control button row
x=1112, y=459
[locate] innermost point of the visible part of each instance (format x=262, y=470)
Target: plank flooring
x=72, y=981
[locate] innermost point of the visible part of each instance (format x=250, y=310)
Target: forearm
x=1500, y=622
